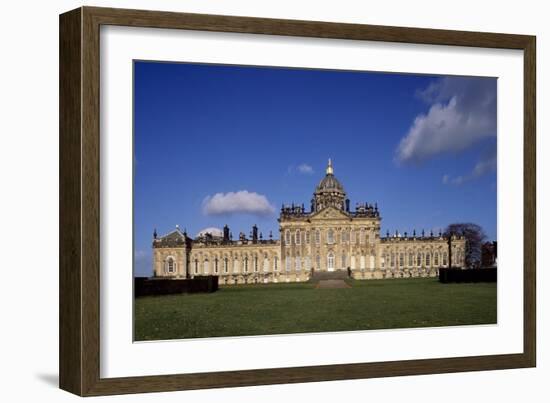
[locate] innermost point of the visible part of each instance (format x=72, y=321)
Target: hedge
x=144, y=286
x=467, y=275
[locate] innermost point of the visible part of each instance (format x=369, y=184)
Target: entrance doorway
x=330, y=262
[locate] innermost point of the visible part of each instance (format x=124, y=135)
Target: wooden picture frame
x=79, y=346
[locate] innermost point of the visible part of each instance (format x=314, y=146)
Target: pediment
x=329, y=213
x=173, y=235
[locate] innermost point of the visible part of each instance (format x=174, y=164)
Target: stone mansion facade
x=328, y=237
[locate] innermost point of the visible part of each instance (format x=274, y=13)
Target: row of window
x=224, y=265
x=296, y=237
x=391, y=259
x=416, y=259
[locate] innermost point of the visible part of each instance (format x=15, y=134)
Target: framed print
x=248, y=201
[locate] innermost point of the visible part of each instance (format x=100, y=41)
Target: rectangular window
x=317, y=237
x=307, y=237
x=298, y=240
x=298, y=263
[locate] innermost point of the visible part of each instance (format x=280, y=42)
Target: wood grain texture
x=70, y=274
x=80, y=196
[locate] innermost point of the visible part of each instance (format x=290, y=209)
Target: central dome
x=329, y=184
x=329, y=193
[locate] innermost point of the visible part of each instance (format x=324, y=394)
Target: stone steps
x=328, y=275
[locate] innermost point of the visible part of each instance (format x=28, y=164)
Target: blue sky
x=219, y=145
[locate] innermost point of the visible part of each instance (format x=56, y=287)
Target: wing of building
x=328, y=237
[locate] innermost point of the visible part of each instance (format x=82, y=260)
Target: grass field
x=299, y=308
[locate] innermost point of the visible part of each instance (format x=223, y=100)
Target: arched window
x=411, y=258
x=266, y=262
x=317, y=237
x=383, y=260
x=307, y=237
x=235, y=265
x=453, y=256
x=206, y=266
x=401, y=260
x=330, y=236
x=287, y=262
x=225, y=265
x=308, y=263
x=362, y=236
x=362, y=262
x=330, y=261
x=216, y=267
x=196, y=266
x=419, y=259
x=255, y=263
x=428, y=256
x=298, y=263
x=275, y=261
x=287, y=237
x=298, y=237
x=245, y=264
x=170, y=265
x=392, y=259
x=345, y=236
x=436, y=259
x=444, y=258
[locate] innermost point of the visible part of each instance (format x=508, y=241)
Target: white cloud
x=302, y=168
x=483, y=166
x=305, y=169
x=462, y=112
x=243, y=202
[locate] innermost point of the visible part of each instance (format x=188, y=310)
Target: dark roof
x=329, y=184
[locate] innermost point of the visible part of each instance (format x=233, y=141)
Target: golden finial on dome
x=330, y=170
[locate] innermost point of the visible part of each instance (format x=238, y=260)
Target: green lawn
x=298, y=308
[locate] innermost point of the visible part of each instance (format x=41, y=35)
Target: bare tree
x=475, y=236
